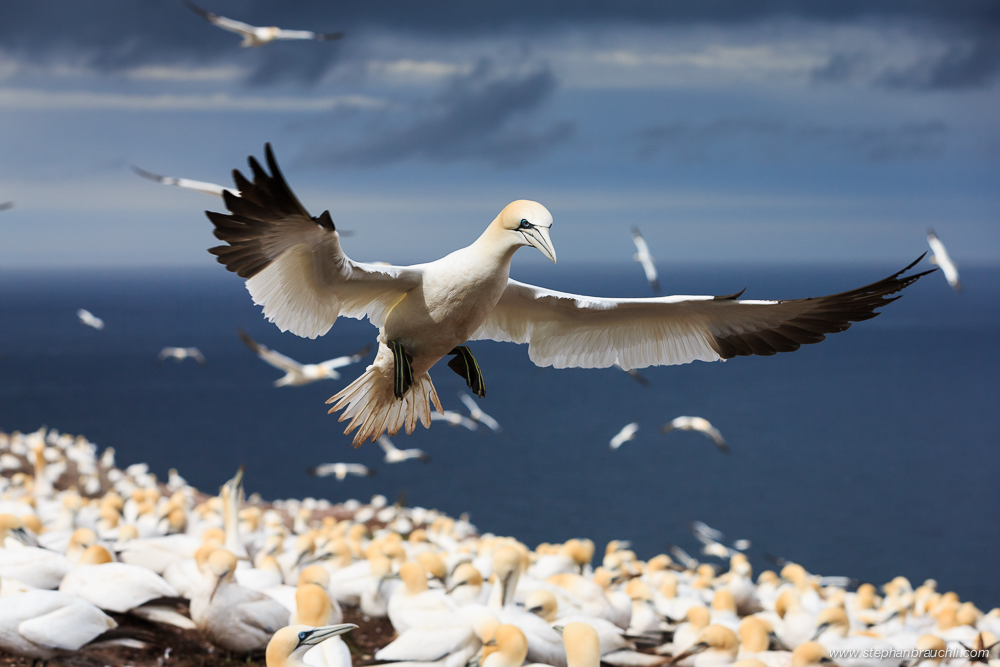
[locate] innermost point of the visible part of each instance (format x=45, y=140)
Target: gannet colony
x=105, y=566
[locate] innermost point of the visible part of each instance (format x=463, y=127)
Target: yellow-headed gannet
x=297, y=374
x=341, y=470
x=627, y=433
x=942, y=259
x=186, y=183
x=645, y=259
x=259, y=36
x=395, y=455
x=89, y=319
x=296, y=269
x=716, y=646
x=583, y=649
x=697, y=424
x=179, y=354
x=290, y=644
x=476, y=413
x=511, y=648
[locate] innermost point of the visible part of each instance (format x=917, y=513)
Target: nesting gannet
x=186, y=183
x=341, y=470
x=476, y=413
x=583, y=648
x=697, y=424
x=6, y=205
x=45, y=624
x=88, y=318
x=716, y=646
x=627, y=433
x=396, y=455
x=414, y=603
x=511, y=648
x=179, y=354
x=942, y=259
x=645, y=259
x=289, y=645
x=297, y=374
x=116, y=587
x=454, y=419
x=254, y=36
x=295, y=268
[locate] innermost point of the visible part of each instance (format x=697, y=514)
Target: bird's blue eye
x=302, y=636
x=525, y=224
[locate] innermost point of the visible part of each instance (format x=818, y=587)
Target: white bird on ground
x=476, y=413
x=116, y=587
x=289, y=645
x=88, y=318
x=454, y=419
x=6, y=205
x=44, y=624
x=627, y=433
x=295, y=268
x=943, y=260
x=341, y=470
x=645, y=259
x=297, y=374
x=186, y=183
x=697, y=424
x=259, y=36
x=396, y=455
x=179, y=354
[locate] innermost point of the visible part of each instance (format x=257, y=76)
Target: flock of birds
x=86, y=546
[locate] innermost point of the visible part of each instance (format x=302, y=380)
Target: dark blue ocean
x=873, y=454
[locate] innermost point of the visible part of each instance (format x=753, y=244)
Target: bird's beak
x=820, y=629
x=321, y=634
x=694, y=650
x=539, y=237
x=218, y=583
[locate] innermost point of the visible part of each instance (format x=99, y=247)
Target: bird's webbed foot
x=466, y=365
x=402, y=369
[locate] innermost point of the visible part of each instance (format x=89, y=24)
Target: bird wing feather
x=272, y=357
x=68, y=627
x=572, y=331
x=293, y=263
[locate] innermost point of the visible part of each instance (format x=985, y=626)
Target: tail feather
x=373, y=409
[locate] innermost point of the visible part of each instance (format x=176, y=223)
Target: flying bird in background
x=395, y=455
x=296, y=269
x=88, y=318
x=179, y=354
x=6, y=205
x=627, y=433
x=697, y=424
x=454, y=419
x=476, y=413
x=943, y=260
x=634, y=374
x=645, y=259
x=341, y=470
x=254, y=36
x=297, y=374
x=186, y=183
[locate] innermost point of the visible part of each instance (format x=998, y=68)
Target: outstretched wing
x=572, y=331
x=340, y=362
x=308, y=34
x=186, y=183
x=6, y=205
x=293, y=262
x=276, y=359
x=221, y=21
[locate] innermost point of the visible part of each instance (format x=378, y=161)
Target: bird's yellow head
x=530, y=222
x=296, y=640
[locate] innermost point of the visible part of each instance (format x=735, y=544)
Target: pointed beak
x=820, y=629
x=218, y=583
x=320, y=635
x=694, y=650
x=539, y=237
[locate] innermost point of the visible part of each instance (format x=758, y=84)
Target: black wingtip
x=730, y=297
x=371, y=472
x=312, y=472
x=329, y=36
x=425, y=458
x=203, y=13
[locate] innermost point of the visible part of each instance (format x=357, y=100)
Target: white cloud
x=156, y=73
x=31, y=99
x=406, y=68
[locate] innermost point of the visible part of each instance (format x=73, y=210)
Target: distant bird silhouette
x=254, y=36
x=454, y=419
x=634, y=374
x=88, y=318
x=6, y=205
x=943, y=260
x=627, y=433
x=297, y=374
x=341, y=470
x=396, y=455
x=179, y=354
x=186, y=183
x=476, y=414
x=645, y=259
x=697, y=424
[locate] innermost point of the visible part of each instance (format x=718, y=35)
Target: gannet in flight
x=180, y=354
x=634, y=374
x=255, y=36
x=476, y=413
x=627, y=433
x=454, y=419
x=88, y=318
x=698, y=424
x=6, y=205
x=645, y=259
x=942, y=259
x=341, y=470
x=395, y=455
x=186, y=183
x=297, y=374
x=295, y=268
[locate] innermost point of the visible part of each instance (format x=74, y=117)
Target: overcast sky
x=729, y=131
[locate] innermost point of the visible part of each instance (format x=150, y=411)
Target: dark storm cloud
x=727, y=139
x=118, y=34
x=480, y=116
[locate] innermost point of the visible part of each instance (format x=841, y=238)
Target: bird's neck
x=496, y=244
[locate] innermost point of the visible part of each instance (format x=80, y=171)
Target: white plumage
x=645, y=259
x=699, y=424
x=89, y=319
x=341, y=470
x=395, y=455
x=627, y=433
x=942, y=259
x=297, y=374
x=186, y=183
x=254, y=36
x=43, y=624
